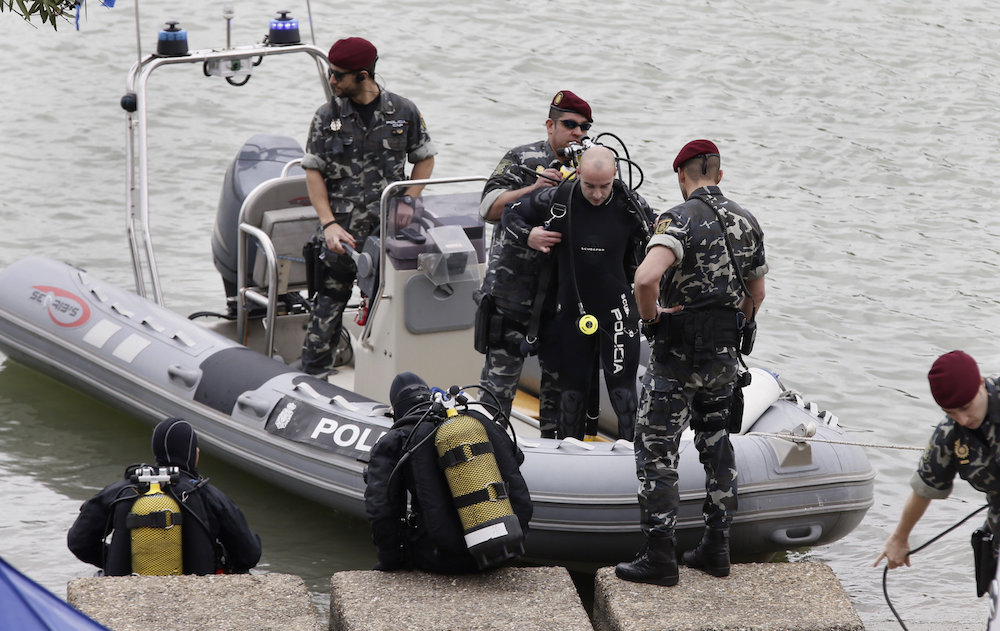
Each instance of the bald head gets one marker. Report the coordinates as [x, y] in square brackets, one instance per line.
[596, 159]
[597, 174]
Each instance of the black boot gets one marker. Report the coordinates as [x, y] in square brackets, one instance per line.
[656, 563]
[712, 554]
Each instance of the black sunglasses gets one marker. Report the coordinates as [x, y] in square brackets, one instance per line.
[569, 123]
[339, 76]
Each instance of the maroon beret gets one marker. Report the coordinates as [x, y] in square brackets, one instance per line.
[954, 380]
[352, 53]
[694, 149]
[566, 101]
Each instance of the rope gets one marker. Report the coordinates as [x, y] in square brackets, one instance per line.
[796, 398]
[793, 438]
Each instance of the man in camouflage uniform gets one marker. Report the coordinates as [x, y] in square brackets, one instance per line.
[358, 144]
[693, 323]
[515, 177]
[966, 443]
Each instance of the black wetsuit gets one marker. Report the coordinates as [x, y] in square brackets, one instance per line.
[600, 249]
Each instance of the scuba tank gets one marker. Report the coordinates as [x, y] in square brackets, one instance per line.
[154, 524]
[492, 531]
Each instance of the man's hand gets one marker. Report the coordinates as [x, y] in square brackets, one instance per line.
[896, 553]
[334, 234]
[542, 240]
[553, 179]
[404, 214]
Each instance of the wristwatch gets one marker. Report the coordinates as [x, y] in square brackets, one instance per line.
[407, 199]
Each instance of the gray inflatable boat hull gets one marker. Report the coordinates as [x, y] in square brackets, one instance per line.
[313, 438]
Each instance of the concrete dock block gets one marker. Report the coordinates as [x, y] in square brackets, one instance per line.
[755, 596]
[247, 602]
[514, 598]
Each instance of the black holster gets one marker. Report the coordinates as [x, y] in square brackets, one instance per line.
[484, 313]
[748, 335]
[489, 331]
[736, 405]
[985, 555]
[310, 252]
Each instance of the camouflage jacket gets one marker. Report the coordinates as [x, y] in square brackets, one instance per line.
[703, 276]
[358, 163]
[970, 454]
[505, 178]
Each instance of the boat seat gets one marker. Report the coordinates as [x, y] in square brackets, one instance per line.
[276, 220]
[280, 209]
[288, 229]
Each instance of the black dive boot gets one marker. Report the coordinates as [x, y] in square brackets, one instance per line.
[656, 563]
[712, 554]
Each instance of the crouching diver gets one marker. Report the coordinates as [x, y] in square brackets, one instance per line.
[426, 500]
[165, 519]
[604, 227]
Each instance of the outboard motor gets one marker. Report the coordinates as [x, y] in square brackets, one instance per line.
[261, 158]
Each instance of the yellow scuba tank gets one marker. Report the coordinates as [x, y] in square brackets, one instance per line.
[492, 531]
[154, 523]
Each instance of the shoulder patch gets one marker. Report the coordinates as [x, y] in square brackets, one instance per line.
[503, 167]
[662, 225]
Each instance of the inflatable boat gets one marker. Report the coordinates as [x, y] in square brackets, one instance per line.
[232, 374]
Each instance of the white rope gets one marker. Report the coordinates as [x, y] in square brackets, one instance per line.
[793, 438]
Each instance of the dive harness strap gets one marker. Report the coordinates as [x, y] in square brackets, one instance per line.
[464, 453]
[159, 519]
[483, 495]
[709, 199]
[558, 211]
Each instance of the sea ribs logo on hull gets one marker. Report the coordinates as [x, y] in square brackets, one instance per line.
[65, 308]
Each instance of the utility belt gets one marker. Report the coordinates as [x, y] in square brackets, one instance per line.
[700, 333]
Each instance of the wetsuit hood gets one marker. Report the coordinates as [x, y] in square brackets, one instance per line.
[175, 444]
[407, 392]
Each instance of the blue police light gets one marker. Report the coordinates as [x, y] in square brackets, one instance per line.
[172, 41]
[284, 30]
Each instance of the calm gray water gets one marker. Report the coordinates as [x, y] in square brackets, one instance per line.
[862, 135]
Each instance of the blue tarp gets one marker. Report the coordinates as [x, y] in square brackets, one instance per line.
[27, 606]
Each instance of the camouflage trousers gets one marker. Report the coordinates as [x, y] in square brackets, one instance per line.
[502, 372]
[674, 396]
[327, 321]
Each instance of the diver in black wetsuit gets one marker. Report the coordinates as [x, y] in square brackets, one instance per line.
[597, 247]
[413, 517]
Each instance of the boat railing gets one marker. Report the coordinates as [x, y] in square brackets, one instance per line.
[269, 195]
[144, 265]
[270, 285]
